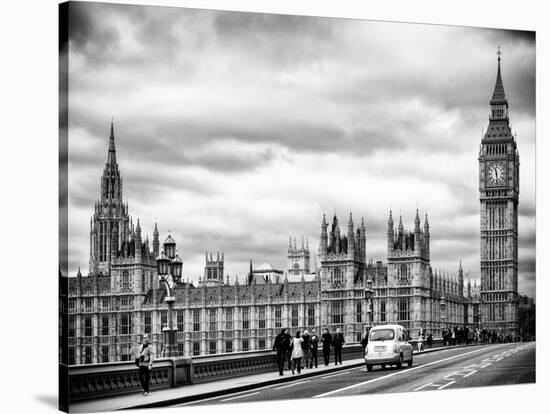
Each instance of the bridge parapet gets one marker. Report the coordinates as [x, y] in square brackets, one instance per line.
[116, 378]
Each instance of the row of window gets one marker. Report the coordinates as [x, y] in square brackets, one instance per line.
[126, 320]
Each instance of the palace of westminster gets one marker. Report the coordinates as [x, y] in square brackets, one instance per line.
[121, 298]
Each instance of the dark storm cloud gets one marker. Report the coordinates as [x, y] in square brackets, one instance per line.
[237, 130]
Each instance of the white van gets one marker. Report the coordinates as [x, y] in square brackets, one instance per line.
[388, 345]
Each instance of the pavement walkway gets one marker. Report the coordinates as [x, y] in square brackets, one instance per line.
[193, 392]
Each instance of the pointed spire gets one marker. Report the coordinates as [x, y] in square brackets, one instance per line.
[307, 244]
[498, 93]
[138, 229]
[289, 243]
[390, 220]
[324, 223]
[426, 224]
[111, 157]
[250, 274]
[417, 222]
[400, 227]
[460, 266]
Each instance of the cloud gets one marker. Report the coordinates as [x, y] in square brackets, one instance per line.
[238, 130]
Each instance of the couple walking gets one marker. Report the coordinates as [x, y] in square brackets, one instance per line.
[335, 342]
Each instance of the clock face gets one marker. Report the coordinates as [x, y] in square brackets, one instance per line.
[495, 174]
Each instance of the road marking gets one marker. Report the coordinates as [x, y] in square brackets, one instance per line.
[292, 385]
[397, 373]
[332, 375]
[470, 373]
[422, 386]
[446, 385]
[240, 396]
[485, 365]
[450, 375]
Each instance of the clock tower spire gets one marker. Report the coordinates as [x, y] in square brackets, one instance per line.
[499, 198]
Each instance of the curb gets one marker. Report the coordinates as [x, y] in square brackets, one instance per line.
[279, 380]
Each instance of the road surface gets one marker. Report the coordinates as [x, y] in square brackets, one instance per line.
[477, 366]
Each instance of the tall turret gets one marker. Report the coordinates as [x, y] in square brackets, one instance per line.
[460, 279]
[390, 234]
[417, 244]
[156, 244]
[110, 219]
[323, 245]
[426, 237]
[351, 239]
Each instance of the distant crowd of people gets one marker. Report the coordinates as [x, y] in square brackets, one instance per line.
[291, 350]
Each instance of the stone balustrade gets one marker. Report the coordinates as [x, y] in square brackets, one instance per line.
[100, 380]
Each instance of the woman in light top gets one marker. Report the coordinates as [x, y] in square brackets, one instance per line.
[297, 353]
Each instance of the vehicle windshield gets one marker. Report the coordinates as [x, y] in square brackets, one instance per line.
[382, 335]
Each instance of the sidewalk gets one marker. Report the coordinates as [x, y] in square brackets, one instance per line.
[188, 393]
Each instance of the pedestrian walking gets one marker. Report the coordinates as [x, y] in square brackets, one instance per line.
[282, 346]
[306, 347]
[420, 343]
[145, 362]
[326, 340]
[297, 353]
[338, 342]
[429, 340]
[365, 339]
[289, 351]
[314, 347]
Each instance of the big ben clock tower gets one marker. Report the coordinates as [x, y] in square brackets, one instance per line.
[499, 196]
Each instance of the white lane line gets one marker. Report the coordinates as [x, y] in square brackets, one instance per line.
[422, 386]
[292, 385]
[240, 396]
[470, 373]
[333, 375]
[446, 385]
[485, 365]
[450, 375]
[397, 373]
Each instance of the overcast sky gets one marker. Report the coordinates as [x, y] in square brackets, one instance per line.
[238, 130]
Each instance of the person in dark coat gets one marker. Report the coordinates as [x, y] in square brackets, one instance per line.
[326, 340]
[338, 342]
[430, 340]
[365, 339]
[314, 347]
[306, 347]
[282, 346]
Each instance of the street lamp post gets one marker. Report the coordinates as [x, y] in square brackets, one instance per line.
[443, 306]
[169, 269]
[368, 297]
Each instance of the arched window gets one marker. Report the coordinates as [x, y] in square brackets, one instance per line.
[337, 275]
[125, 280]
[403, 272]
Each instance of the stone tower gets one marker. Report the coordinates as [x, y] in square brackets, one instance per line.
[298, 258]
[499, 197]
[409, 253]
[342, 278]
[109, 225]
[213, 269]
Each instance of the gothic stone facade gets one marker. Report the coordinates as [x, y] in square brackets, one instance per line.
[499, 197]
[120, 299]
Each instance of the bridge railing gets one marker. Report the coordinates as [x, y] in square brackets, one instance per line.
[116, 378]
